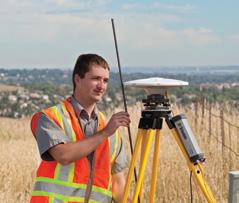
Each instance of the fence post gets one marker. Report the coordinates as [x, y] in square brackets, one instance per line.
[230, 144]
[210, 121]
[222, 131]
[202, 118]
[196, 116]
[237, 133]
[233, 195]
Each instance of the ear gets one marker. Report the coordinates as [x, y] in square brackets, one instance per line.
[77, 78]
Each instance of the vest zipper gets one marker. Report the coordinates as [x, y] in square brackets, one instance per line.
[90, 181]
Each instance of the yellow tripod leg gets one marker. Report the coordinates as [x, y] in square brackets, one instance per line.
[143, 144]
[155, 167]
[132, 164]
[196, 169]
[144, 161]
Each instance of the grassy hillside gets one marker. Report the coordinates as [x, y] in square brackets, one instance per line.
[7, 88]
[19, 155]
[217, 138]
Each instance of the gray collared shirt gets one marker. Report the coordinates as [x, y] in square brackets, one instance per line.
[88, 123]
[49, 134]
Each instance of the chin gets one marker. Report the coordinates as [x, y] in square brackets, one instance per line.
[96, 99]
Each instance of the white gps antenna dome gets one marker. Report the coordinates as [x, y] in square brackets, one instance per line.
[155, 85]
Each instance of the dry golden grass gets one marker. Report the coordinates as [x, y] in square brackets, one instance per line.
[19, 155]
[8, 88]
[173, 175]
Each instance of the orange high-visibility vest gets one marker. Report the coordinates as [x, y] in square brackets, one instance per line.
[68, 184]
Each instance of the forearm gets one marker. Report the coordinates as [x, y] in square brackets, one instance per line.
[70, 152]
[67, 153]
[119, 183]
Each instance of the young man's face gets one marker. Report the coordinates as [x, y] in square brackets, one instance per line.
[93, 86]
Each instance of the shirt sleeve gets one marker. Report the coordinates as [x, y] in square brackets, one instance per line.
[48, 134]
[120, 161]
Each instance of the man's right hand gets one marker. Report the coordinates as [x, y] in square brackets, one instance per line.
[117, 120]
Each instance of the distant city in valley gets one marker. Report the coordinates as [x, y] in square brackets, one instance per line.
[25, 91]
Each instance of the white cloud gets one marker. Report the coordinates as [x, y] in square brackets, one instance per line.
[150, 32]
[174, 7]
[82, 4]
[199, 37]
[47, 6]
[234, 38]
[146, 33]
[132, 6]
[58, 29]
[156, 6]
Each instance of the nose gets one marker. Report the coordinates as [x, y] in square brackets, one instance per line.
[101, 84]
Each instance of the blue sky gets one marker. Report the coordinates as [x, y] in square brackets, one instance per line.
[52, 33]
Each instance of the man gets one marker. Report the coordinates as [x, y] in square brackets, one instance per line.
[83, 158]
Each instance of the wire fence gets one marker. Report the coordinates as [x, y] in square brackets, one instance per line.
[228, 130]
[221, 137]
[211, 118]
[217, 129]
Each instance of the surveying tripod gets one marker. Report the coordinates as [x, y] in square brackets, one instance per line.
[157, 108]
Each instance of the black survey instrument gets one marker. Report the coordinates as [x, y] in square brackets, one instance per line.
[157, 108]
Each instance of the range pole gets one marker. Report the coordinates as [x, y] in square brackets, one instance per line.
[122, 87]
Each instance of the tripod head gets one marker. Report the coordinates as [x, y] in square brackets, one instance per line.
[157, 90]
[156, 101]
[156, 85]
[157, 106]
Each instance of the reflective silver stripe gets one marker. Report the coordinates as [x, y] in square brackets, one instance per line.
[66, 191]
[66, 126]
[100, 198]
[59, 189]
[112, 140]
[57, 201]
[65, 171]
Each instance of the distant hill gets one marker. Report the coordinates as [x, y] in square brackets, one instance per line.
[194, 75]
[181, 69]
[25, 91]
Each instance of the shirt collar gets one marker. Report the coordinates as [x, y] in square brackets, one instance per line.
[81, 112]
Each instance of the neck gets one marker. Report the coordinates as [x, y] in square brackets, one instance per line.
[87, 105]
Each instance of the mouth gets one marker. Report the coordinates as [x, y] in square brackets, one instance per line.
[98, 92]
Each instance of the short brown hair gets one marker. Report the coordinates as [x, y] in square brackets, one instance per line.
[84, 62]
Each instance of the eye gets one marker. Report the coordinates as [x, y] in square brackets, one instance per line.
[96, 78]
[106, 81]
